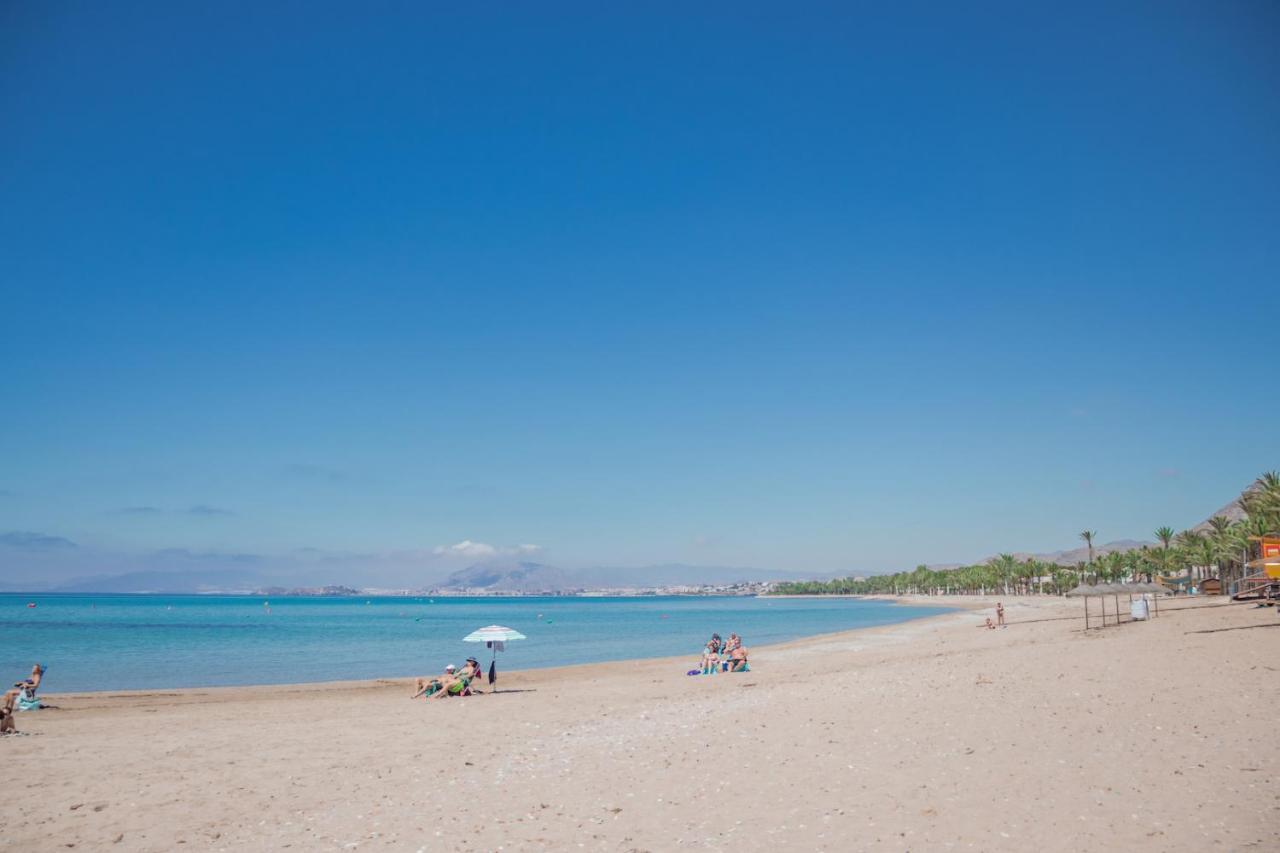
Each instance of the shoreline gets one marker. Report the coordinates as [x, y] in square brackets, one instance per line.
[950, 605]
[233, 692]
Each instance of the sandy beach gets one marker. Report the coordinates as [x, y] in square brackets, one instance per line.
[928, 735]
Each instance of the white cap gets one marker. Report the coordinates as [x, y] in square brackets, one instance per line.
[450, 666]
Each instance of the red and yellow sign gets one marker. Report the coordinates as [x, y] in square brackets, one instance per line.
[1270, 553]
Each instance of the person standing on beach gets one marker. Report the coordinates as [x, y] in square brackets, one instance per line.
[1000, 614]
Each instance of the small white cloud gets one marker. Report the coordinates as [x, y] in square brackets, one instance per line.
[467, 548]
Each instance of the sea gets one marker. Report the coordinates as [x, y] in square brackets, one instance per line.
[118, 642]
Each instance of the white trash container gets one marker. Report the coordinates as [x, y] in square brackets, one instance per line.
[1138, 609]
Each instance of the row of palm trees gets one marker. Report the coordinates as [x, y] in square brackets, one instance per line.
[1220, 550]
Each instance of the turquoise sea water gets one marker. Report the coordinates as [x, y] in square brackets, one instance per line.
[114, 642]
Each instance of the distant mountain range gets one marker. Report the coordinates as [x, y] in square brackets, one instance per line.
[500, 575]
[1072, 556]
[186, 582]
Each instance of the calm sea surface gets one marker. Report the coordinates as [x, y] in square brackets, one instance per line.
[114, 642]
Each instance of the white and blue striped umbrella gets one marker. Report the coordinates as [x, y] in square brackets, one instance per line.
[493, 634]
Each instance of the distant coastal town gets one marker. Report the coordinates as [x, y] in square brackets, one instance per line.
[339, 591]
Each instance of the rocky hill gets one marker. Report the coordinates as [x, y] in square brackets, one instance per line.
[497, 576]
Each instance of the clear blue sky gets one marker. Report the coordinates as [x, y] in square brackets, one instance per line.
[823, 287]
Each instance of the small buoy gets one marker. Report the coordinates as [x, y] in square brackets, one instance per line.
[31, 604]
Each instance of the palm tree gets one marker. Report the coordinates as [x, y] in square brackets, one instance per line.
[1087, 536]
[1165, 535]
[1189, 545]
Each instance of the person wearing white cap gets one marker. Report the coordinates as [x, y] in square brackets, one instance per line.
[432, 685]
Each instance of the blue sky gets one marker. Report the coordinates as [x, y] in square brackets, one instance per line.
[831, 287]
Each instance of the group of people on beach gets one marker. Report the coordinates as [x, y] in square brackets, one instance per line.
[22, 697]
[452, 682]
[724, 655]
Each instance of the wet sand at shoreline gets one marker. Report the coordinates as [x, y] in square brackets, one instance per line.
[930, 734]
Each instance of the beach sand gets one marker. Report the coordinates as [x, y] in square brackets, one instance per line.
[927, 735]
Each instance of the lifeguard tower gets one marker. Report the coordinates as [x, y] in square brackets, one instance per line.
[1263, 574]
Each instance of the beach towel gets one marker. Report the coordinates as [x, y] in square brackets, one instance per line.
[27, 702]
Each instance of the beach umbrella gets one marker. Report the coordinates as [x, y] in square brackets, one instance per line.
[494, 637]
[1110, 589]
[1155, 590]
[1083, 590]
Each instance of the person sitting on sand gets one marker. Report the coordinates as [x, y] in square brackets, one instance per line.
[989, 624]
[710, 662]
[738, 658]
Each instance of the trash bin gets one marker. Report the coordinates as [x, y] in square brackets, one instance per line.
[1138, 609]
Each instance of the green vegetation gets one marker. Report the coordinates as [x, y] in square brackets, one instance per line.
[1220, 551]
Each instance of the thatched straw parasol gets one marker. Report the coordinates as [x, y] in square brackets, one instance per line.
[1083, 590]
